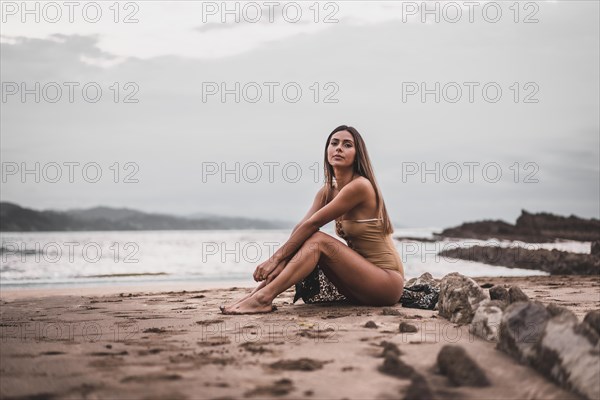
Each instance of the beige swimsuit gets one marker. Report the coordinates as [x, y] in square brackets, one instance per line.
[366, 237]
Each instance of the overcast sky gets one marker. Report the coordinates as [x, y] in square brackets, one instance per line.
[515, 98]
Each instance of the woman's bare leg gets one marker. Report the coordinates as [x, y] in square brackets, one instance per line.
[356, 276]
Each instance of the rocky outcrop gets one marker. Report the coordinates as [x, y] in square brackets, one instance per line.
[569, 353]
[532, 228]
[459, 297]
[595, 248]
[553, 261]
[521, 327]
[551, 340]
[486, 321]
[559, 227]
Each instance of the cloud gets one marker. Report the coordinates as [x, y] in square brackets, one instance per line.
[171, 133]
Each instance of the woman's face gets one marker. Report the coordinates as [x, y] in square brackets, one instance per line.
[341, 150]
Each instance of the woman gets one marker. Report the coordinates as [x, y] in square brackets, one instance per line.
[369, 270]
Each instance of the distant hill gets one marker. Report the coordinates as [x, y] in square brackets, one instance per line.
[15, 218]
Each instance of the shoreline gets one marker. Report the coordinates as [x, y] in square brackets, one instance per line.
[112, 289]
[105, 289]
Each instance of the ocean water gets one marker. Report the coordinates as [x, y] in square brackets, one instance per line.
[58, 259]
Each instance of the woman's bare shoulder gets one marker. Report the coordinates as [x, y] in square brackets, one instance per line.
[364, 183]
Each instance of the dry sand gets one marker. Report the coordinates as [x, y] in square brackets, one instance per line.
[157, 343]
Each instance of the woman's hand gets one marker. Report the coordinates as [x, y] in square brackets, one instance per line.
[276, 271]
[264, 269]
[268, 270]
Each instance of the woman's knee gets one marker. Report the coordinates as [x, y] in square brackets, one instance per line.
[318, 240]
[318, 236]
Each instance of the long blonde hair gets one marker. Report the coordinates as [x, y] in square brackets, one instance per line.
[362, 166]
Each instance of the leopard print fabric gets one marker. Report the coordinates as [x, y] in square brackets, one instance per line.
[317, 288]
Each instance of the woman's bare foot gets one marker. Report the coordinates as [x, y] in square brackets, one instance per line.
[254, 304]
[256, 289]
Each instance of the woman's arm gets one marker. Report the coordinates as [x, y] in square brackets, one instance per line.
[351, 195]
[318, 203]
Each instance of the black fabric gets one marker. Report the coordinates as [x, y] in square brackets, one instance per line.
[424, 296]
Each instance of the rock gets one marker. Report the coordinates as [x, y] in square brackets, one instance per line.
[568, 352]
[555, 309]
[390, 311]
[486, 321]
[393, 365]
[521, 327]
[516, 294]
[459, 297]
[595, 248]
[405, 327]
[418, 389]
[554, 342]
[370, 324]
[461, 370]
[389, 347]
[559, 227]
[425, 279]
[553, 261]
[531, 228]
[498, 292]
[592, 318]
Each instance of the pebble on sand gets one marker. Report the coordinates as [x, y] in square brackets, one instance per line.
[460, 368]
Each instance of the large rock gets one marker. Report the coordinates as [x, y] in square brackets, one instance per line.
[461, 370]
[521, 327]
[592, 318]
[554, 342]
[532, 228]
[486, 321]
[569, 353]
[556, 226]
[459, 297]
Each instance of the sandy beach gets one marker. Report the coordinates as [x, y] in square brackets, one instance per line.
[161, 343]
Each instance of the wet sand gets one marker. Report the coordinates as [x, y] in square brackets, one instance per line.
[157, 342]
